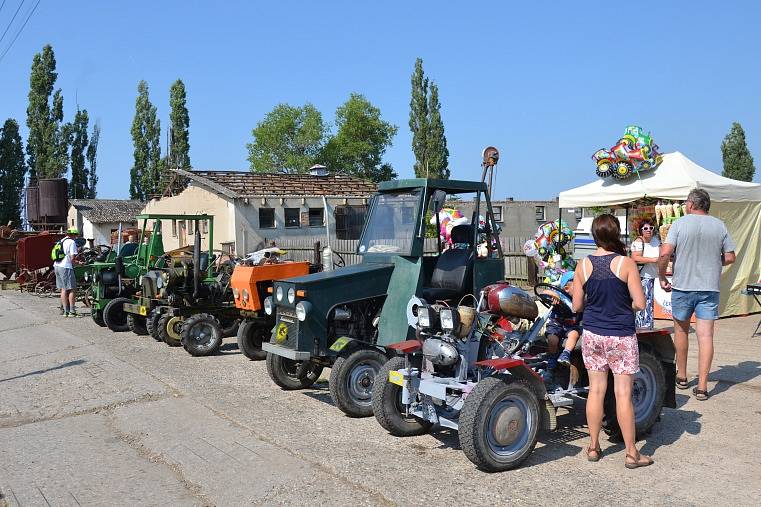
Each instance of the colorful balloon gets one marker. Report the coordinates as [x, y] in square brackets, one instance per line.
[635, 152]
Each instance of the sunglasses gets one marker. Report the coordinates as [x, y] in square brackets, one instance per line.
[647, 227]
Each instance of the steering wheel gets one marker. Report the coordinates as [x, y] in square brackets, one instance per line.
[341, 262]
[547, 299]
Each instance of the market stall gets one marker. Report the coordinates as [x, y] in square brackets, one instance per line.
[737, 203]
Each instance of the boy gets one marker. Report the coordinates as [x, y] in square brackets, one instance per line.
[563, 323]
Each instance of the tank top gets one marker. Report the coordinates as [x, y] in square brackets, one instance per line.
[608, 304]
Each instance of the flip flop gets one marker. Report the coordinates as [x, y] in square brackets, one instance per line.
[700, 395]
[638, 461]
[598, 451]
[682, 383]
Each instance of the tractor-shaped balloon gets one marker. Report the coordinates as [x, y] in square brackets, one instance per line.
[548, 250]
[634, 152]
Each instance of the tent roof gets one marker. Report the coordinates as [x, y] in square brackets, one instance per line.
[672, 179]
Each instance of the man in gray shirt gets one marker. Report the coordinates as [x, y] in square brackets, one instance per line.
[701, 245]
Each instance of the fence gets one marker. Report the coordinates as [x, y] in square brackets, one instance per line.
[518, 268]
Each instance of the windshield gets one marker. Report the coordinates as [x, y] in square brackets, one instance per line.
[392, 224]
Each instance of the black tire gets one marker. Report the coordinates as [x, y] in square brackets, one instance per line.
[114, 315]
[201, 335]
[231, 329]
[97, 317]
[291, 375]
[492, 448]
[171, 338]
[137, 324]
[251, 334]
[388, 408]
[152, 324]
[351, 381]
[647, 396]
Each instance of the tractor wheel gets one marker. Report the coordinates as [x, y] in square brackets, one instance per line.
[603, 169]
[499, 424]
[230, 328]
[623, 170]
[351, 381]
[388, 408]
[201, 335]
[152, 324]
[291, 375]
[169, 328]
[647, 397]
[114, 315]
[251, 334]
[97, 317]
[137, 324]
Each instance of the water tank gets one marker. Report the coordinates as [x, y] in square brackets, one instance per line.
[54, 200]
[33, 203]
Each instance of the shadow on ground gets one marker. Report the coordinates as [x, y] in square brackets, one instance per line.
[76, 362]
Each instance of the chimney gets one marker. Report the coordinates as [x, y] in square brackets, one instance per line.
[318, 170]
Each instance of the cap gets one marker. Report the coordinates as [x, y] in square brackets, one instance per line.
[567, 277]
[72, 230]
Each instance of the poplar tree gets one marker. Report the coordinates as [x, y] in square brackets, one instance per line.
[78, 184]
[92, 162]
[145, 175]
[437, 152]
[738, 162]
[12, 172]
[179, 139]
[419, 118]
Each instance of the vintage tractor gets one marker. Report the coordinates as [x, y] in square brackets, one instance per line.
[346, 318]
[481, 371]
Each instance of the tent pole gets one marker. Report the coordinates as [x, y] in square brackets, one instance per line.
[626, 227]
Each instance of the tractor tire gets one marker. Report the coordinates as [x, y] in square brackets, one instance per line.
[499, 423]
[603, 170]
[137, 324]
[647, 397]
[351, 381]
[388, 408]
[251, 334]
[97, 317]
[291, 375]
[201, 335]
[152, 324]
[114, 315]
[231, 328]
[169, 329]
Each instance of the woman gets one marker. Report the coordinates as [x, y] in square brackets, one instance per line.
[645, 251]
[609, 291]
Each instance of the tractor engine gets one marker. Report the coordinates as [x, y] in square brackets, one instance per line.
[358, 319]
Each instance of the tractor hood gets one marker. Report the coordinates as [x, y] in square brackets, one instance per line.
[355, 273]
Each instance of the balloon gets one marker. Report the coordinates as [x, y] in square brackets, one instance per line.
[634, 152]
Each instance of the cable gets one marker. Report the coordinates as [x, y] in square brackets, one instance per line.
[12, 19]
[20, 30]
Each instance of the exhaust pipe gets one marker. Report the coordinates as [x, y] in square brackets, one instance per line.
[197, 264]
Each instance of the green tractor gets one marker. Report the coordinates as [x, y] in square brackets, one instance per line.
[345, 319]
[185, 299]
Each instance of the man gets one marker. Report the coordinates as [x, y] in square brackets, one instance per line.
[701, 246]
[64, 273]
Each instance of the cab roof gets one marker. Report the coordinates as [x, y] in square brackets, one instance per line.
[449, 186]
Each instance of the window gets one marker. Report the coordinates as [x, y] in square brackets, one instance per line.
[391, 226]
[190, 226]
[266, 218]
[349, 220]
[174, 228]
[497, 210]
[540, 213]
[204, 226]
[316, 217]
[292, 217]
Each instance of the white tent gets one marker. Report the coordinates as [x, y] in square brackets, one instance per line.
[737, 203]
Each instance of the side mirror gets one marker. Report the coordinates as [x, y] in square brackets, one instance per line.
[438, 199]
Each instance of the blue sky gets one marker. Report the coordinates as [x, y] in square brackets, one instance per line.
[546, 82]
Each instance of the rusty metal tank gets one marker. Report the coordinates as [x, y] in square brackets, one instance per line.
[33, 203]
[510, 300]
[54, 200]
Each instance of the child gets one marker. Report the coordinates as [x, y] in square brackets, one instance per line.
[563, 323]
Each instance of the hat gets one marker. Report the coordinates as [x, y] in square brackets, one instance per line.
[72, 230]
[567, 277]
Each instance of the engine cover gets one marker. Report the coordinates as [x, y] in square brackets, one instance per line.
[511, 301]
[440, 352]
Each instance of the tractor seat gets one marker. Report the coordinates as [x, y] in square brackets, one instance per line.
[453, 275]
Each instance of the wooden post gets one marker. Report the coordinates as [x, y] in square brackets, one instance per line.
[531, 271]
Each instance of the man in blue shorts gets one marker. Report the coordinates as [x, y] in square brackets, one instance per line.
[64, 273]
[701, 246]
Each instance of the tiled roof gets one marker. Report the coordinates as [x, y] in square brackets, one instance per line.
[99, 211]
[236, 184]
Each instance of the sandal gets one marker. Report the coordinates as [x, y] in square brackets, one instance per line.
[598, 453]
[640, 461]
[682, 383]
[700, 395]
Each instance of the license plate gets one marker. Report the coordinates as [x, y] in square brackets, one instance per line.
[396, 378]
[143, 311]
[282, 332]
[340, 344]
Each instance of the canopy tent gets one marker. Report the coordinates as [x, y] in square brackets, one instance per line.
[737, 203]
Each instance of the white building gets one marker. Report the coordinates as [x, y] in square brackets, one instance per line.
[98, 219]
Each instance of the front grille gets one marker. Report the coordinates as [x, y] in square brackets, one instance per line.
[291, 339]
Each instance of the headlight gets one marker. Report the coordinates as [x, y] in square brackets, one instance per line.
[291, 295]
[450, 319]
[87, 276]
[246, 295]
[302, 309]
[268, 305]
[159, 282]
[236, 292]
[426, 316]
[279, 293]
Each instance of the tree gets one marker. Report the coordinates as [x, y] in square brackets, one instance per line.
[92, 162]
[437, 152]
[179, 143]
[12, 172]
[288, 140]
[738, 162]
[146, 172]
[360, 142]
[47, 145]
[419, 118]
[78, 184]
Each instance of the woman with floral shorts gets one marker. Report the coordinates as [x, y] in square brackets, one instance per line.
[609, 294]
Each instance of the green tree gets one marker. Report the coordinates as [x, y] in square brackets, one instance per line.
[92, 162]
[360, 141]
[419, 118]
[179, 140]
[12, 172]
[288, 140]
[146, 172]
[437, 152]
[46, 146]
[738, 162]
[78, 184]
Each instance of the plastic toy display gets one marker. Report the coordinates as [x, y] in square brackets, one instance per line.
[548, 250]
[634, 152]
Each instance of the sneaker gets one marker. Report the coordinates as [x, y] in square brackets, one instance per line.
[565, 358]
[73, 314]
[65, 314]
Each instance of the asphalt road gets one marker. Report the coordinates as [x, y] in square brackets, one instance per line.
[90, 417]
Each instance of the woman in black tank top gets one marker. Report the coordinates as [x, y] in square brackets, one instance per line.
[609, 293]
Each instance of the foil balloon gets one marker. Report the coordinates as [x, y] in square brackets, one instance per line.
[549, 252]
[635, 152]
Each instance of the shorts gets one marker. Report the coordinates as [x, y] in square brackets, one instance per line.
[560, 330]
[617, 353]
[65, 279]
[703, 303]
